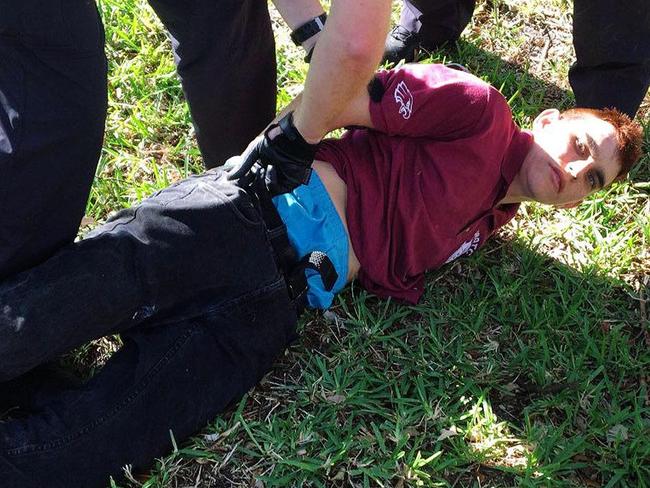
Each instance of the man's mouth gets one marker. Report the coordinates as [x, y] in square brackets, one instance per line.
[556, 176]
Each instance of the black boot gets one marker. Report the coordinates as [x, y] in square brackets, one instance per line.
[401, 44]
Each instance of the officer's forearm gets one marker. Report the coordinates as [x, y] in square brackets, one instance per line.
[345, 58]
[297, 12]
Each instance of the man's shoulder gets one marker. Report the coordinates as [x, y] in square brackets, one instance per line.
[464, 86]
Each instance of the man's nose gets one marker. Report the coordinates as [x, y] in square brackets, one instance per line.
[574, 168]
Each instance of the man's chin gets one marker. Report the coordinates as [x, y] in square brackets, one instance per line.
[545, 193]
[544, 197]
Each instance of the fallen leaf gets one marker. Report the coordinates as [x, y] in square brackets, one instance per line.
[447, 433]
[87, 222]
[512, 387]
[340, 476]
[211, 437]
[618, 433]
[332, 317]
[336, 399]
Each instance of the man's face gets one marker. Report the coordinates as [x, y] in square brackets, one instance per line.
[570, 159]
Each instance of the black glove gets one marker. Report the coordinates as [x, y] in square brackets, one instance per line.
[285, 162]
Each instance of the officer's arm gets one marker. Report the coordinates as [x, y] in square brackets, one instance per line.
[356, 112]
[345, 58]
[298, 12]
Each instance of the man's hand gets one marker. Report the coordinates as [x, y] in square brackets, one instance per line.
[281, 156]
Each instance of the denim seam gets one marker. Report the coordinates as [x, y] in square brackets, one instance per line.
[174, 200]
[136, 210]
[70, 52]
[277, 284]
[144, 383]
[111, 225]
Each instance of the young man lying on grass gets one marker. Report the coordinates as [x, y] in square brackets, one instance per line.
[191, 282]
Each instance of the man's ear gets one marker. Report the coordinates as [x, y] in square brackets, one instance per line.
[569, 205]
[546, 117]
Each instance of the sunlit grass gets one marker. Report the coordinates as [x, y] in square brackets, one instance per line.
[524, 365]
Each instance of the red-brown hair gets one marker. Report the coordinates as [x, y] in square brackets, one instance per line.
[629, 134]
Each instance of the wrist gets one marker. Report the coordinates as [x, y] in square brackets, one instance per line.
[308, 134]
[291, 130]
[307, 31]
[309, 44]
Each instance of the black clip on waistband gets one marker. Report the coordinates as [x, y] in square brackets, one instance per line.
[288, 262]
[297, 281]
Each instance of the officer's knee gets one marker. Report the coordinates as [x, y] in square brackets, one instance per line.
[13, 351]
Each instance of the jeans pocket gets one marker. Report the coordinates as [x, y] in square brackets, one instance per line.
[217, 183]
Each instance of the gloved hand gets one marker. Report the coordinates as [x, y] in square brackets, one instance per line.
[285, 160]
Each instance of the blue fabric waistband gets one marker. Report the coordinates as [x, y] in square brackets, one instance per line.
[314, 225]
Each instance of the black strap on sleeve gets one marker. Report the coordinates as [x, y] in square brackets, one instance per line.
[376, 90]
[308, 29]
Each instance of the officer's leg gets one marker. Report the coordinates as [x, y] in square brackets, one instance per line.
[612, 43]
[52, 112]
[225, 55]
[428, 24]
[440, 21]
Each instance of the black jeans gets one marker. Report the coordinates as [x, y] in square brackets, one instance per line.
[189, 280]
[611, 39]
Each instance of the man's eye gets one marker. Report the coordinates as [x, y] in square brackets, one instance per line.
[593, 183]
[580, 147]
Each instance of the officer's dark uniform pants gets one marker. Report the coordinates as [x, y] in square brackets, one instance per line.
[611, 39]
[53, 104]
[225, 55]
[52, 112]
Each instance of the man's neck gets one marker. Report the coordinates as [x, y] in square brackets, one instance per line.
[517, 191]
[514, 193]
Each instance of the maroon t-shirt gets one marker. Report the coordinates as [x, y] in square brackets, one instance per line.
[423, 187]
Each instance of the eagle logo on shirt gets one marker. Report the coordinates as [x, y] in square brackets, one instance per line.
[404, 97]
[467, 247]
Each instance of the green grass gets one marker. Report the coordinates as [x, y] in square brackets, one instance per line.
[526, 364]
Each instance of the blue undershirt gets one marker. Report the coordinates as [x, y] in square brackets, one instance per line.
[314, 225]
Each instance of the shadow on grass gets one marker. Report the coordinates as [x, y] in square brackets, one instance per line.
[559, 355]
[527, 94]
[515, 369]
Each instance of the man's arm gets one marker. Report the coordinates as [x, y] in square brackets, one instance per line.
[345, 58]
